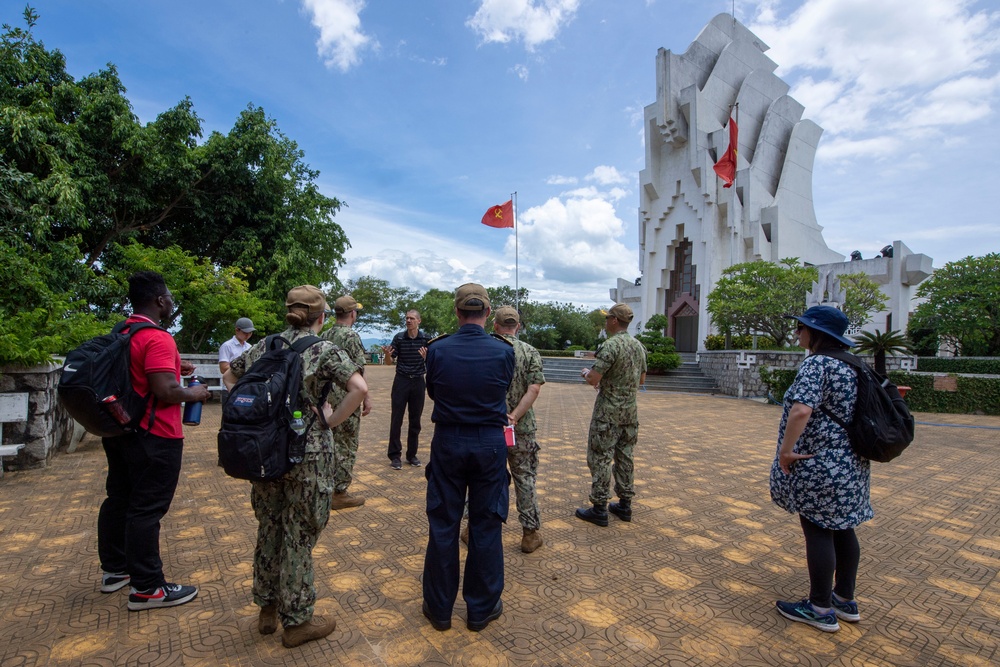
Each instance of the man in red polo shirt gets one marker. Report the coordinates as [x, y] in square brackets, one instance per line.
[143, 468]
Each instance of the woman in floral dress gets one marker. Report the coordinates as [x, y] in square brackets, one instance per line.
[818, 476]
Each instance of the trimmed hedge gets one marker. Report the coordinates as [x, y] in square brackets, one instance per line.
[975, 395]
[557, 353]
[778, 380]
[978, 365]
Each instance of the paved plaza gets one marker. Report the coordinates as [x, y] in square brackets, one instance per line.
[691, 581]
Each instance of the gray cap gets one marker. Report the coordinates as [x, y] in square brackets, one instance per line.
[244, 324]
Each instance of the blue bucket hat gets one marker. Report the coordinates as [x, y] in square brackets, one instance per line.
[827, 319]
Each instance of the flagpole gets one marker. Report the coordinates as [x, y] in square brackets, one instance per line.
[517, 296]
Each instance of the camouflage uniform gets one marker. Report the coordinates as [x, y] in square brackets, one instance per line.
[522, 458]
[614, 426]
[292, 511]
[345, 436]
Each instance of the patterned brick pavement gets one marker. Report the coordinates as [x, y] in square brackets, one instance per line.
[691, 581]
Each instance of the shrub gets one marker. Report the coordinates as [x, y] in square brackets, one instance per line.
[778, 380]
[980, 365]
[718, 342]
[974, 395]
[661, 353]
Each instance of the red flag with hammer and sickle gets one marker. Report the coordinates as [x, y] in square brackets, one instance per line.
[500, 216]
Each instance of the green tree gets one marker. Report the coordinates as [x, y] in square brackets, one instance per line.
[756, 296]
[880, 344]
[661, 352]
[963, 304]
[81, 178]
[505, 295]
[384, 305]
[555, 326]
[862, 298]
[437, 312]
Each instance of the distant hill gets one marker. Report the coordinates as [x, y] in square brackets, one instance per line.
[368, 342]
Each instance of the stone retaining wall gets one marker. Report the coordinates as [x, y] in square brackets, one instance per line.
[49, 426]
[737, 372]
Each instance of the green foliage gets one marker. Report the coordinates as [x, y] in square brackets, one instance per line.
[974, 395]
[437, 310]
[755, 296]
[920, 329]
[880, 344]
[661, 353]
[778, 380]
[990, 366]
[962, 306]
[745, 342]
[862, 298]
[208, 299]
[81, 179]
[557, 353]
[505, 295]
[575, 348]
[384, 306]
[554, 326]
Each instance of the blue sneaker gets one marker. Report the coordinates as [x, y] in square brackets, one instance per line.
[804, 612]
[846, 610]
[167, 595]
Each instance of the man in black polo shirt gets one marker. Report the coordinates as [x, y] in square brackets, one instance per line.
[408, 348]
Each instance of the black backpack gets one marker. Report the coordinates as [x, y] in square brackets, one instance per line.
[882, 426]
[256, 441]
[96, 384]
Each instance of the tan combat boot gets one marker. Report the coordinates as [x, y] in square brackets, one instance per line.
[315, 628]
[267, 621]
[342, 500]
[531, 541]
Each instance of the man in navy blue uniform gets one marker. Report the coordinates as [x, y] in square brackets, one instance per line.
[468, 373]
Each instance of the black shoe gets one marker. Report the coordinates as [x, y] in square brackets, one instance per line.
[440, 626]
[597, 515]
[396, 465]
[622, 510]
[415, 462]
[481, 625]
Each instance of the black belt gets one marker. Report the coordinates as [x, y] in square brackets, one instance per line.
[408, 375]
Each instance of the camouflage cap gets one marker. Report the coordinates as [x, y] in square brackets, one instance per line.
[467, 294]
[346, 304]
[620, 312]
[308, 296]
[506, 316]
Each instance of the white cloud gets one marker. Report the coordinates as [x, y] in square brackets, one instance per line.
[605, 175]
[575, 240]
[871, 72]
[340, 37]
[521, 71]
[533, 22]
[555, 179]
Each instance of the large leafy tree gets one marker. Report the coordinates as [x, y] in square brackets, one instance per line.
[437, 312]
[863, 298]
[962, 305]
[756, 296]
[383, 305]
[81, 177]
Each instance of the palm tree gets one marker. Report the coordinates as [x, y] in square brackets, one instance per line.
[880, 344]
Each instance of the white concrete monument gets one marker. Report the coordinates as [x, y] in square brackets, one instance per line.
[691, 228]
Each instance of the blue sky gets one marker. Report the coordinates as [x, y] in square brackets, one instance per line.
[422, 114]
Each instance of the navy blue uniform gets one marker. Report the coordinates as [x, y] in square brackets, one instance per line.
[468, 374]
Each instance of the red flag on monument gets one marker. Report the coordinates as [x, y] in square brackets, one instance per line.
[500, 216]
[726, 166]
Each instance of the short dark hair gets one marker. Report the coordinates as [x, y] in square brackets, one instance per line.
[819, 340]
[144, 287]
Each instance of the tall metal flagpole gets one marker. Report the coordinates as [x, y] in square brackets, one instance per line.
[517, 295]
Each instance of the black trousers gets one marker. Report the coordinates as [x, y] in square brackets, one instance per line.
[830, 554]
[407, 394]
[143, 470]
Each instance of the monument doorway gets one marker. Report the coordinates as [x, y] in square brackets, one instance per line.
[685, 326]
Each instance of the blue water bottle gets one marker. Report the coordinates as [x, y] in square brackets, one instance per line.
[192, 409]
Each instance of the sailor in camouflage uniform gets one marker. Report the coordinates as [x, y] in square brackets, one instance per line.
[346, 436]
[522, 458]
[292, 510]
[617, 373]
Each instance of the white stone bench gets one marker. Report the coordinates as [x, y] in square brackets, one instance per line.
[211, 375]
[13, 408]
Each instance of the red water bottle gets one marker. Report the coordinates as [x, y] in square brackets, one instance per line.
[192, 409]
